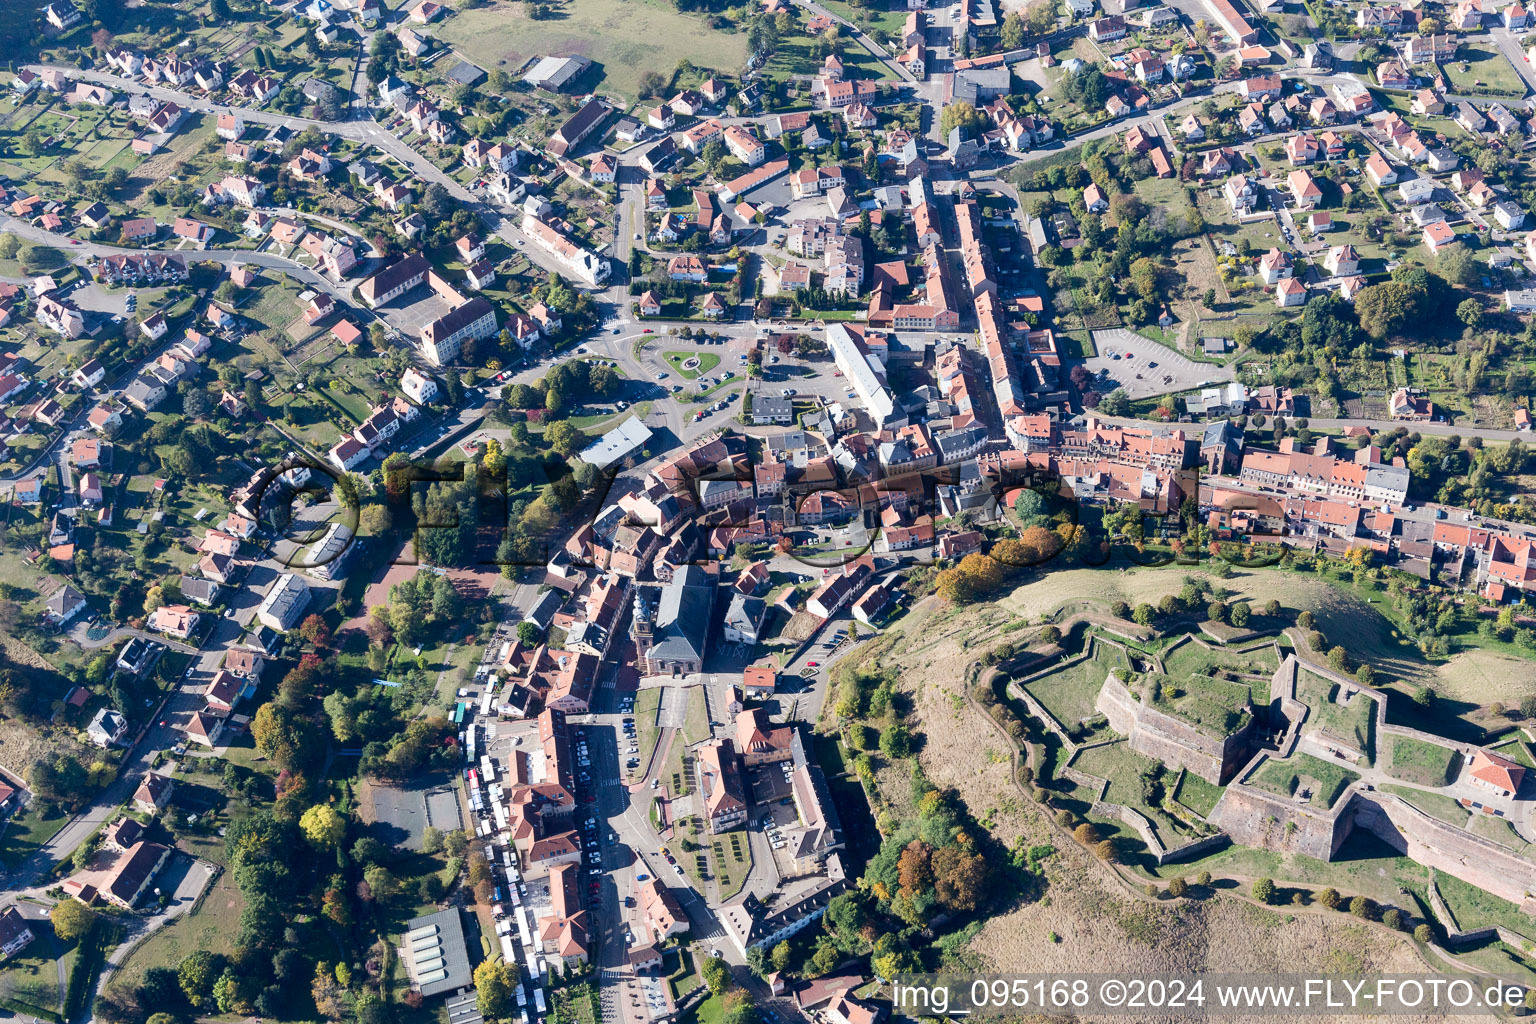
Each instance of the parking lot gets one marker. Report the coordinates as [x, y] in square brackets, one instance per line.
[1145, 368]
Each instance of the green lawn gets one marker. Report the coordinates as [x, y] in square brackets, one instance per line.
[1197, 794]
[26, 831]
[625, 38]
[1325, 780]
[1191, 658]
[1426, 764]
[707, 361]
[1351, 724]
[793, 56]
[32, 976]
[1069, 693]
[1491, 826]
[1475, 908]
[1124, 769]
[1436, 805]
[1483, 71]
[646, 703]
[1215, 706]
[214, 927]
[1515, 750]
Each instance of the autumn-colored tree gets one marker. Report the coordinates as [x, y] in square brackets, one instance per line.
[960, 877]
[914, 868]
[323, 826]
[1086, 834]
[71, 920]
[335, 906]
[314, 630]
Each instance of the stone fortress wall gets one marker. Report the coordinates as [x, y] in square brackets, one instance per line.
[1171, 740]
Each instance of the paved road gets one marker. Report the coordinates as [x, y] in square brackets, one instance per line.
[76, 248]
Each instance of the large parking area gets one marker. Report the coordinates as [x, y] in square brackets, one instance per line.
[1145, 368]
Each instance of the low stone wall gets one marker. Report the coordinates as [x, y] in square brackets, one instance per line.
[1454, 936]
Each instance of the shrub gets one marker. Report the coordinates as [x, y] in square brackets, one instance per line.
[1263, 890]
[1299, 898]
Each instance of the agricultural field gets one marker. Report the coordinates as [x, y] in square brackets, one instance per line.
[503, 36]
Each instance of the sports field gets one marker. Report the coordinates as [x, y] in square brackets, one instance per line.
[625, 37]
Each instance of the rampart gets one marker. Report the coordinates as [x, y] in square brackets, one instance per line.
[1171, 740]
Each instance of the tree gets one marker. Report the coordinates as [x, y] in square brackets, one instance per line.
[1014, 31]
[717, 975]
[314, 629]
[1177, 887]
[431, 839]
[1086, 834]
[1361, 907]
[565, 437]
[1116, 403]
[1470, 312]
[71, 920]
[896, 742]
[1393, 919]
[962, 115]
[782, 954]
[1424, 933]
[323, 826]
[1107, 852]
[1264, 890]
[197, 973]
[493, 989]
[528, 634]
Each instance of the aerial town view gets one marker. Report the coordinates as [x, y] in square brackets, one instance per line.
[702, 511]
